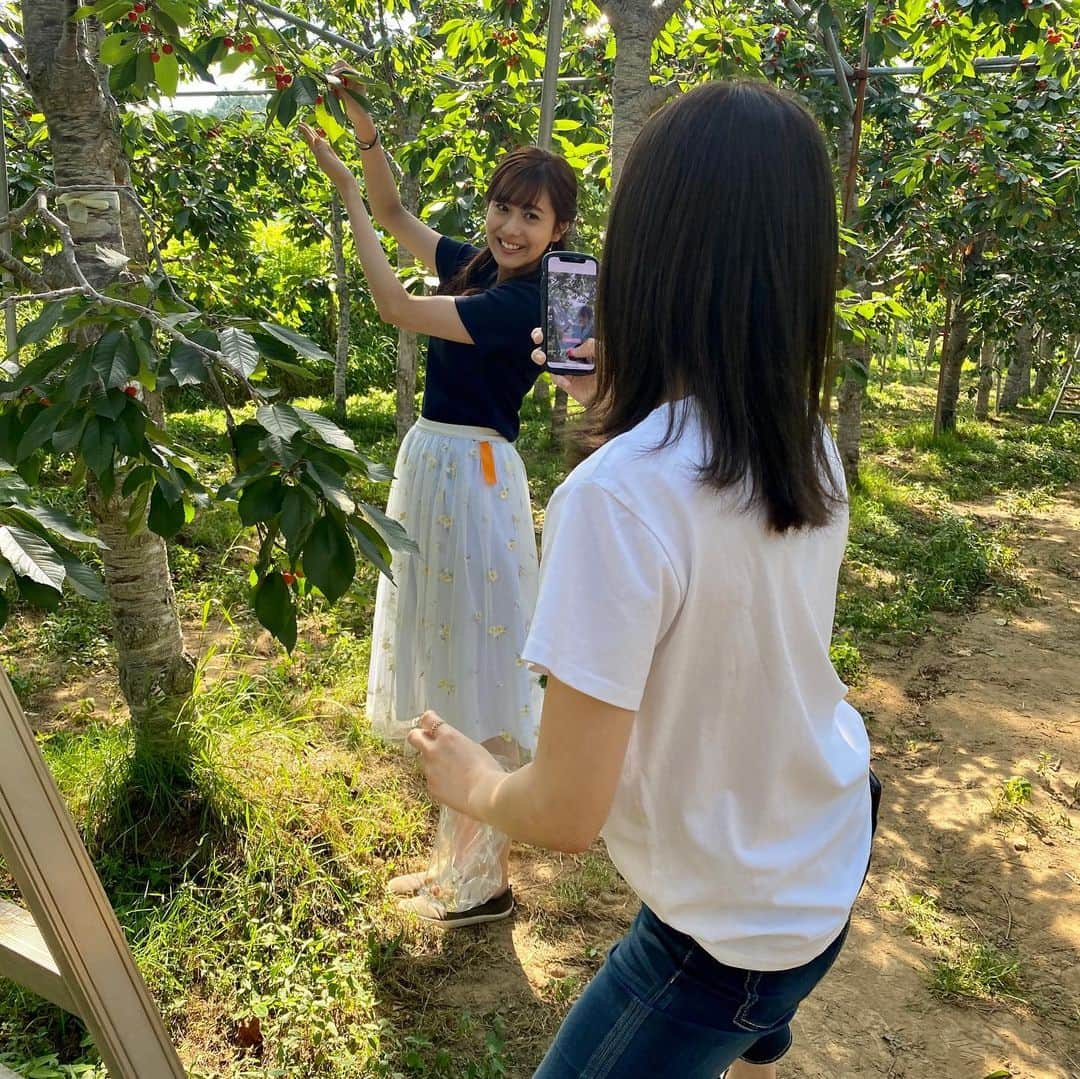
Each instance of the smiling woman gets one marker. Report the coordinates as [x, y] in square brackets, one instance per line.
[449, 629]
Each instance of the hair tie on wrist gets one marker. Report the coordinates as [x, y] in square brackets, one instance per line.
[368, 145]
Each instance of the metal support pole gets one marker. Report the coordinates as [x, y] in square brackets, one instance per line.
[552, 54]
[11, 326]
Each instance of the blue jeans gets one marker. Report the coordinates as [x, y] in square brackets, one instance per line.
[663, 1008]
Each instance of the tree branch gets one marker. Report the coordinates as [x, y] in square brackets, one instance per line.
[20, 214]
[14, 65]
[67, 242]
[827, 38]
[17, 268]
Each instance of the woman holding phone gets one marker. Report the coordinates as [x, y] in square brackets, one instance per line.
[448, 632]
[686, 602]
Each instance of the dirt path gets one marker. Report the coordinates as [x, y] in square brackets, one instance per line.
[990, 697]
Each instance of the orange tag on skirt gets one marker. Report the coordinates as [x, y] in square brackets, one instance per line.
[487, 463]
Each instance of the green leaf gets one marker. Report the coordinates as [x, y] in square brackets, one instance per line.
[62, 525]
[297, 341]
[40, 430]
[39, 595]
[114, 358]
[116, 48]
[136, 518]
[167, 74]
[307, 90]
[32, 557]
[372, 546]
[392, 531]
[69, 434]
[274, 608]
[84, 580]
[4, 608]
[123, 75]
[110, 404]
[286, 106]
[279, 420]
[39, 369]
[166, 517]
[177, 10]
[326, 429]
[329, 561]
[261, 500]
[330, 484]
[240, 352]
[297, 517]
[42, 326]
[187, 365]
[98, 446]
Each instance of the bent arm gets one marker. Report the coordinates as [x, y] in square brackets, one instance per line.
[560, 800]
[382, 192]
[436, 316]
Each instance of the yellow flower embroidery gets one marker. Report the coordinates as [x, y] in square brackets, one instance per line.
[444, 631]
[477, 616]
[493, 575]
[504, 493]
[447, 685]
[446, 576]
[451, 469]
[519, 661]
[511, 544]
[496, 631]
[446, 521]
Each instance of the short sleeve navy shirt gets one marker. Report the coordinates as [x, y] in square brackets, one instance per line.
[483, 384]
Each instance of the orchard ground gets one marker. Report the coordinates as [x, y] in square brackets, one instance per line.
[254, 903]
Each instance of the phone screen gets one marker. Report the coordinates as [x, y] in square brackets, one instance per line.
[571, 310]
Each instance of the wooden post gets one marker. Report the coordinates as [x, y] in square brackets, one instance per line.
[89, 956]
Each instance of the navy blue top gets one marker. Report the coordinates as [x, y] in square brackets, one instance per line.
[483, 384]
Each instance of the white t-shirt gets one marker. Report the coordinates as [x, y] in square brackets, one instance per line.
[742, 816]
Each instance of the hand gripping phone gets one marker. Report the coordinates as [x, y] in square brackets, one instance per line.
[568, 281]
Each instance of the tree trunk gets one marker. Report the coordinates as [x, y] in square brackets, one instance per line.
[1044, 369]
[849, 398]
[986, 378]
[1019, 367]
[156, 676]
[408, 343]
[931, 345]
[635, 24]
[952, 362]
[343, 305]
[855, 366]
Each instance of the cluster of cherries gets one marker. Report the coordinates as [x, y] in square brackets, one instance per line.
[136, 15]
[245, 45]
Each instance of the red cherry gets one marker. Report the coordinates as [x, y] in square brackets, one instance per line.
[288, 578]
[319, 99]
[138, 8]
[155, 57]
[131, 391]
[287, 79]
[145, 28]
[280, 69]
[167, 49]
[45, 401]
[133, 16]
[227, 42]
[320, 132]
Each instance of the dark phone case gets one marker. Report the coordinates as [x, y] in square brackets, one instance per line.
[568, 256]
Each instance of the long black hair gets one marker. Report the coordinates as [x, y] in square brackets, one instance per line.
[718, 282]
[520, 178]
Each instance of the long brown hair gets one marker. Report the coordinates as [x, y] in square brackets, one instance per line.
[519, 179]
[718, 282]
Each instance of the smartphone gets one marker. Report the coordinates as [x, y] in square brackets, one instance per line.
[568, 282]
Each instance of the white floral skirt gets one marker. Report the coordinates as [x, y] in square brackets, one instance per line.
[450, 629]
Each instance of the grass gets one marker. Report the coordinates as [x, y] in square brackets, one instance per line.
[253, 901]
[961, 970]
